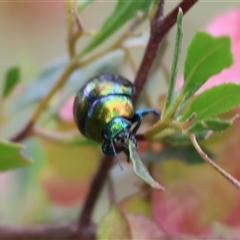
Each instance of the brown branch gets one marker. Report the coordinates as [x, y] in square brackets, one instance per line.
[207, 159]
[95, 189]
[159, 28]
[85, 228]
[26, 131]
[60, 231]
[56, 231]
[140, 137]
[53, 232]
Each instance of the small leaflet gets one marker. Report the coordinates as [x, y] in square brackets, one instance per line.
[139, 168]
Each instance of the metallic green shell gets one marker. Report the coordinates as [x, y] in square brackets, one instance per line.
[106, 84]
[103, 111]
[80, 110]
[92, 110]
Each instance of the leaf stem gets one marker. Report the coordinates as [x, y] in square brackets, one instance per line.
[117, 44]
[74, 63]
[205, 157]
[159, 28]
[43, 103]
[59, 83]
[73, 22]
[144, 69]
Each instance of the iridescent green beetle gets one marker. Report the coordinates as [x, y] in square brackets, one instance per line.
[104, 112]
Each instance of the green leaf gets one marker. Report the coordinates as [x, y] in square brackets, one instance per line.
[40, 86]
[173, 75]
[187, 154]
[114, 225]
[206, 56]
[213, 124]
[124, 11]
[11, 79]
[81, 4]
[11, 156]
[214, 101]
[139, 168]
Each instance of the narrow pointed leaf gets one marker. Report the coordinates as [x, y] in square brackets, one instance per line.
[114, 225]
[139, 168]
[177, 50]
[40, 86]
[11, 156]
[206, 56]
[124, 11]
[214, 101]
[11, 79]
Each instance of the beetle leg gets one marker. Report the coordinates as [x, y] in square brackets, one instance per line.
[144, 112]
[137, 117]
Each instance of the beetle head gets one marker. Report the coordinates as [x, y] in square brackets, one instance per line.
[117, 133]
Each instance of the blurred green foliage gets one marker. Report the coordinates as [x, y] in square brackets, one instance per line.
[54, 186]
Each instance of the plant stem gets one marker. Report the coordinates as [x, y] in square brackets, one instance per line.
[166, 121]
[58, 231]
[154, 41]
[118, 43]
[42, 105]
[95, 189]
[85, 229]
[205, 157]
[159, 28]
[74, 63]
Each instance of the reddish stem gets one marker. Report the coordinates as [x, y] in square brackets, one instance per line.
[85, 228]
[95, 189]
[159, 28]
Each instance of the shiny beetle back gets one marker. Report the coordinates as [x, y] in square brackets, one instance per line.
[100, 100]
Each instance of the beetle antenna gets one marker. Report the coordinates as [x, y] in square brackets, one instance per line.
[118, 160]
